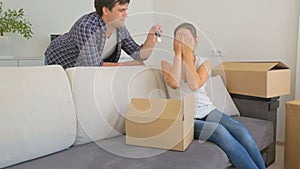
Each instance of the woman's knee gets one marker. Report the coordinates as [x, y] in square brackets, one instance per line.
[223, 138]
[211, 131]
[214, 132]
[221, 131]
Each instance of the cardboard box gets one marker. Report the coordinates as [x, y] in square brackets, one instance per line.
[292, 137]
[260, 79]
[161, 123]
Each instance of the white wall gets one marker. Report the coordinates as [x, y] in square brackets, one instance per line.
[245, 30]
[55, 16]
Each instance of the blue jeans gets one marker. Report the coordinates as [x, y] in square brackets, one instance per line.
[232, 137]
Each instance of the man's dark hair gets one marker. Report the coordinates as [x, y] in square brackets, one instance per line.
[99, 4]
[188, 26]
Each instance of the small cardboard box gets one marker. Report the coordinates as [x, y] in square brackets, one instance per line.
[260, 79]
[161, 123]
[292, 137]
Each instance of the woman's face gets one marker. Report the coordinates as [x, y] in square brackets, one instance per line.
[185, 37]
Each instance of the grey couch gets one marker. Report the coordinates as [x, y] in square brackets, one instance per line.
[55, 111]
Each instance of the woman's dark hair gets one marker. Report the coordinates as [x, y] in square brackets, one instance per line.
[99, 4]
[188, 26]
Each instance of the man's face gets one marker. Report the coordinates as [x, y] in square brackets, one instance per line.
[116, 17]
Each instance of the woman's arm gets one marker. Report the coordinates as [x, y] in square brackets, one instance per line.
[195, 78]
[172, 73]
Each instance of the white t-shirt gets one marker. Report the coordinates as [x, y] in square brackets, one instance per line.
[109, 46]
[203, 104]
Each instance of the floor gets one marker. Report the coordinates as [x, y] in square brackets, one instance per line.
[278, 164]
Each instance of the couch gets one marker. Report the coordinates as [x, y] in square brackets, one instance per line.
[59, 119]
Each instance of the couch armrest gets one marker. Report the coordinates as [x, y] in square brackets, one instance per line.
[260, 108]
[257, 107]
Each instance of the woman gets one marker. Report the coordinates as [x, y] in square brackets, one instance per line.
[188, 74]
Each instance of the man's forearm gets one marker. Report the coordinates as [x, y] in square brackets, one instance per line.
[146, 50]
[129, 63]
[110, 64]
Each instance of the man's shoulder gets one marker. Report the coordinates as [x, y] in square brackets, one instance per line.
[92, 17]
[89, 20]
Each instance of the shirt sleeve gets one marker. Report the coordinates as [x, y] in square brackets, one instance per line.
[129, 45]
[201, 60]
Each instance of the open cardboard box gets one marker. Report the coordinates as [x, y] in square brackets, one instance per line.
[260, 79]
[161, 123]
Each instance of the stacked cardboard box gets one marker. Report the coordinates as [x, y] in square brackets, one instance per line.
[255, 88]
[292, 136]
[259, 79]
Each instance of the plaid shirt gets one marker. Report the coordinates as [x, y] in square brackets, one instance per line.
[84, 43]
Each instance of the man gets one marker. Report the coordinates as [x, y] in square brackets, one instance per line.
[96, 39]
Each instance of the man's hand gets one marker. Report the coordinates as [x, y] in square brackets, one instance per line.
[150, 42]
[151, 38]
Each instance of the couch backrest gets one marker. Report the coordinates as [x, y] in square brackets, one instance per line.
[37, 115]
[38, 105]
[102, 96]
[221, 99]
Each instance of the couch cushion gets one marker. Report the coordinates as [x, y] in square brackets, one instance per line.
[102, 96]
[37, 115]
[261, 130]
[113, 153]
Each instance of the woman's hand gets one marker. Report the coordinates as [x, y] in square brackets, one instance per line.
[188, 45]
[177, 48]
[184, 44]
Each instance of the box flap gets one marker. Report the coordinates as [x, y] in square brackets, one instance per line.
[189, 108]
[281, 65]
[250, 66]
[151, 109]
[294, 102]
